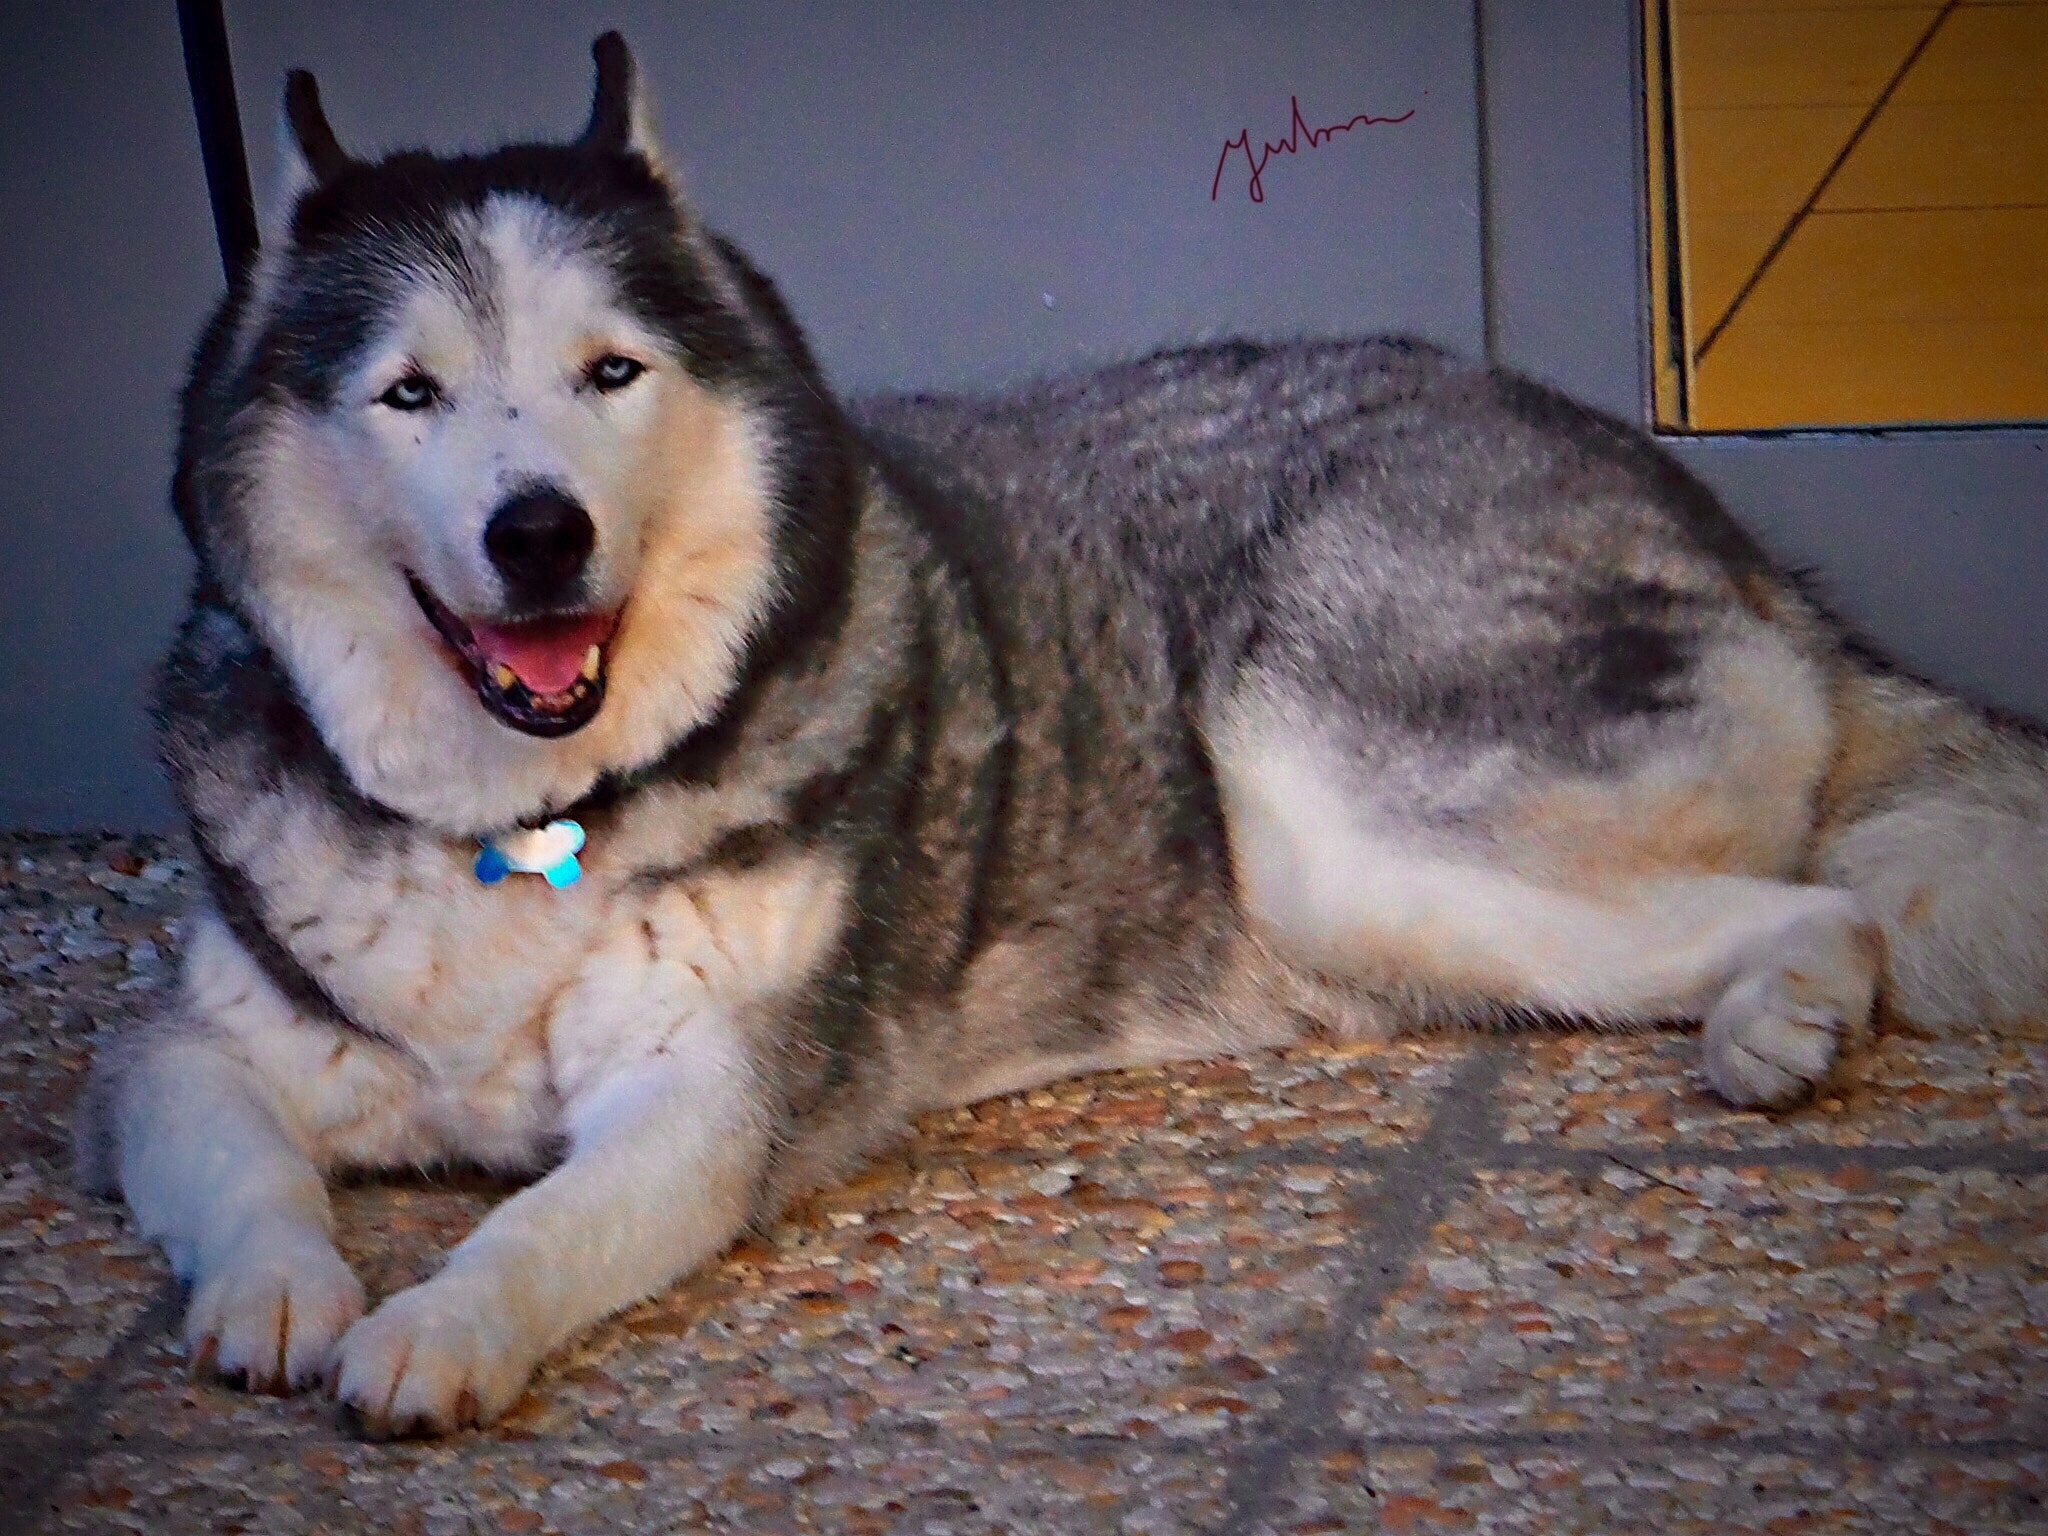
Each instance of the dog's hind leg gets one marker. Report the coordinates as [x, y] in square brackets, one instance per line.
[1475, 925]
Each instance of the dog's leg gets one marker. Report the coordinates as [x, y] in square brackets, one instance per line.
[1783, 975]
[665, 1158]
[241, 1210]
[218, 1124]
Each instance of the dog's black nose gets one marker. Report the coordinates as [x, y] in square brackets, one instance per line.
[540, 541]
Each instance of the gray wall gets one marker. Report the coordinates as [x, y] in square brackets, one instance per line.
[920, 177]
[110, 266]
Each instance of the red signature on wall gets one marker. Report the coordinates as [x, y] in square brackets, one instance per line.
[1297, 131]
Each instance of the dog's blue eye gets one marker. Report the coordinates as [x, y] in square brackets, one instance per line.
[414, 392]
[614, 371]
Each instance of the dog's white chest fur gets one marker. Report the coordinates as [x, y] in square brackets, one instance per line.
[485, 1012]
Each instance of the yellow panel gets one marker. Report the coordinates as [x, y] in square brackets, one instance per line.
[1984, 53]
[1689, 8]
[1762, 375]
[1669, 366]
[1792, 57]
[1937, 154]
[1916, 290]
[1928, 266]
[1720, 253]
[1747, 171]
[1760, 159]
[1896, 317]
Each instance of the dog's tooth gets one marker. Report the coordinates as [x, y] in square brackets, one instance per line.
[504, 676]
[593, 661]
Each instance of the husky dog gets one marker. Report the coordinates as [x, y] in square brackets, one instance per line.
[925, 749]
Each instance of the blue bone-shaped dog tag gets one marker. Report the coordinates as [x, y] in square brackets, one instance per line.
[548, 851]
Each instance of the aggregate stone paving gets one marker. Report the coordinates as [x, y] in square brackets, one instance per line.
[1690, 1490]
[873, 1486]
[1722, 1301]
[1538, 1284]
[73, 1281]
[1145, 1299]
[1911, 1091]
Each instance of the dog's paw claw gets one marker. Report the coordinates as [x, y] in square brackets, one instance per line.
[269, 1318]
[429, 1361]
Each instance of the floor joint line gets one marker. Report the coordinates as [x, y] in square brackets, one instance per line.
[51, 1454]
[1441, 1166]
[1622, 1443]
[1819, 1157]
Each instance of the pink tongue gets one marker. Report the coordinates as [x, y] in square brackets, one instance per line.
[547, 654]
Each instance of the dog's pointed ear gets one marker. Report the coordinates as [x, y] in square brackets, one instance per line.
[309, 141]
[621, 121]
[308, 156]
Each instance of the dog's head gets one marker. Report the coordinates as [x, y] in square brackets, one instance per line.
[507, 460]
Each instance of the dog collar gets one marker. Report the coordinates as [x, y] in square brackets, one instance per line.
[548, 851]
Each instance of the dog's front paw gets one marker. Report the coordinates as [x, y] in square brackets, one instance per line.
[268, 1317]
[432, 1359]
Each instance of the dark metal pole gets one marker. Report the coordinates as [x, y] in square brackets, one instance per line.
[212, 79]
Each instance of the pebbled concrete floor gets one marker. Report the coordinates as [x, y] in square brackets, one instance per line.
[1543, 1284]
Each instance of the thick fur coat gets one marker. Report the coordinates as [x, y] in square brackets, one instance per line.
[925, 749]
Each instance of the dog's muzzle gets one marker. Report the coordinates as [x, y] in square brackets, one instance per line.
[543, 676]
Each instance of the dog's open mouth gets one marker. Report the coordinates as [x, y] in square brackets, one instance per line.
[541, 676]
